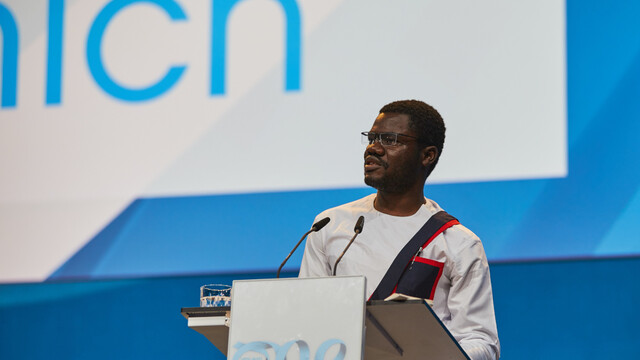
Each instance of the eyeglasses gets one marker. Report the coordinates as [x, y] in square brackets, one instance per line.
[386, 139]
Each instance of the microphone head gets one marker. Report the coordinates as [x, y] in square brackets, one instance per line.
[359, 225]
[320, 224]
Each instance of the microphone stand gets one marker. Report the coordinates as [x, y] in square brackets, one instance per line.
[292, 251]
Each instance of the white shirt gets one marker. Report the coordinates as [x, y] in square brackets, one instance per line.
[463, 299]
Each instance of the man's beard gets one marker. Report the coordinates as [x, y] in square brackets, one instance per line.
[398, 182]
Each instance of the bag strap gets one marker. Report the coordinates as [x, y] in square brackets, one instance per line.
[436, 224]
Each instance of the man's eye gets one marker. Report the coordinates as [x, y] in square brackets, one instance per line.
[387, 139]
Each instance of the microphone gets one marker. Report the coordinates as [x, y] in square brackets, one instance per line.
[358, 230]
[316, 227]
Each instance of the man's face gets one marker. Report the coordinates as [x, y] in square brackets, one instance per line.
[397, 168]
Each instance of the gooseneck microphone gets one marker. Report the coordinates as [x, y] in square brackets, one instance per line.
[358, 230]
[316, 227]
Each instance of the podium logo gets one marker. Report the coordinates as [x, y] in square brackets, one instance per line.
[263, 350]
[95, 59]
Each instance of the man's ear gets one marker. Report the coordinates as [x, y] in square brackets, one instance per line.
[429, 155]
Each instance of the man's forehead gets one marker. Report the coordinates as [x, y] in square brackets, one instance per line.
[392, 122]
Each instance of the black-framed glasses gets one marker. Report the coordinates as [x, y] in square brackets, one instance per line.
[386, 138]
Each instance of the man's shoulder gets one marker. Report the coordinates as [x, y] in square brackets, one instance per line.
[461, 234]
[457, 236]
[359, 206]
[463, 245]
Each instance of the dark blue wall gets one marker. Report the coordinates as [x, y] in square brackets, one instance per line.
[568, 310]
[582, 309]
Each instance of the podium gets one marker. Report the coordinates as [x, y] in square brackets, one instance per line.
[385, 330]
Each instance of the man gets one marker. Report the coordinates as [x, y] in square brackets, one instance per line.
[404, 145]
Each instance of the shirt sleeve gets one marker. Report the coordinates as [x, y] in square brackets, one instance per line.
[470, 303]
[314, 261]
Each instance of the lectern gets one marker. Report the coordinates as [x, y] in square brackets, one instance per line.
[321, 318]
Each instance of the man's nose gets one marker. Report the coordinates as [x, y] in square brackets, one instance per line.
[375, 148]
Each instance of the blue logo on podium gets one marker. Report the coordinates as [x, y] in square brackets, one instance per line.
[263, 350]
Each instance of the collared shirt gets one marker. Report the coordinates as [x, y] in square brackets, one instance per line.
[463, 297]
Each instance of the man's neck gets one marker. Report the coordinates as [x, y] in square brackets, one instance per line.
[405, 204]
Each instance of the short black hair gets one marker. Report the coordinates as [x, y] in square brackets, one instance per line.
[424, 120]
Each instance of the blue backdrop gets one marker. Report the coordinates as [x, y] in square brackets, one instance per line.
[592, 212]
